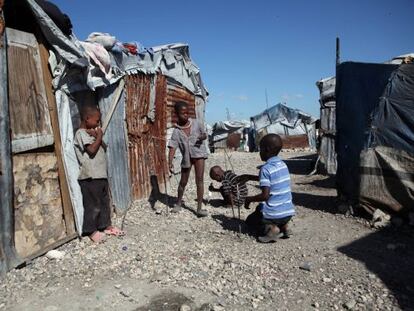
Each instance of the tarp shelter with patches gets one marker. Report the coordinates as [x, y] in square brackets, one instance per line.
[375, 135]
[47, 74]
[228, 134]
[296, 128]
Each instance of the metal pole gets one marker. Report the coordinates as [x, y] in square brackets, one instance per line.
[338, 52]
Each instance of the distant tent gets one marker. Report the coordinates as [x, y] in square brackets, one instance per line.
[228, 134]
[296, 127]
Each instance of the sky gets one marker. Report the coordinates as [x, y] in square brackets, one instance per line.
[249, 49]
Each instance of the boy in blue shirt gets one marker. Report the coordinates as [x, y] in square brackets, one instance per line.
[276, 205]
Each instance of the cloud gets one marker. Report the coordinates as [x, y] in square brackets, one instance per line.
[291, 97]
[242, 98]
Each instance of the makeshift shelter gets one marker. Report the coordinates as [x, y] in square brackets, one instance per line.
[375, 134]
[228, 134]
[327, 126]
[135, 92]
[296, 127]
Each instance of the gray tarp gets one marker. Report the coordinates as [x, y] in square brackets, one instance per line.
[282, 114]
[283, 120]
[222, 129]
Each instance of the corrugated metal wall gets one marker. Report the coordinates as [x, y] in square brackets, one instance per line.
[147, 141]
[117, 153]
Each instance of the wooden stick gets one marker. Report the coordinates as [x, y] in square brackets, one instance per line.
[115, 101]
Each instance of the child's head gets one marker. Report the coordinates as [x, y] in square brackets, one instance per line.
[90, 115]
[181, 109]
[270, 146]
[216, 173]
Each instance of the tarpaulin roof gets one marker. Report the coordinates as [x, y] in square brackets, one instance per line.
[281, 114]
[222, 129]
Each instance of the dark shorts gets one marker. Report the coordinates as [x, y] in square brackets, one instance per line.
[97, 212]
[256, 223]
[278, 222]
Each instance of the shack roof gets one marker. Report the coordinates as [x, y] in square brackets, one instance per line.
[282, 114]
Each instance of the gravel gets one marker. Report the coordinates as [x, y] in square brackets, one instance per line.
[332, 261]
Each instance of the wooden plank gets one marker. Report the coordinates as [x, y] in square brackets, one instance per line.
[8, 257]
[27, 94]
[51, 100]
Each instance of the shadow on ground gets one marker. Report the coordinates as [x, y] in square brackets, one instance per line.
[157, 196]
[316, 202]
[389, 254]
[169, 301]
[326, 183]
[302, 165]
[230, 223]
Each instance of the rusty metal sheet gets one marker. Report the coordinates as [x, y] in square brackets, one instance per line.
[146, 139]
[295, 141]
[176, 94]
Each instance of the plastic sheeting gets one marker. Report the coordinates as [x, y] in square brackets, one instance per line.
[222, 129]
[283, 120]
[70, 160]
[172, 60]
[375, 150]
[281, 114]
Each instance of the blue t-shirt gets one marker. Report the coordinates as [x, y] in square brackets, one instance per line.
[275, 175]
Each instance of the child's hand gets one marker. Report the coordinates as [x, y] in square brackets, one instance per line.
[211, 188]
[202, 137]
[99, 132]
[247, 205]
[91, 132]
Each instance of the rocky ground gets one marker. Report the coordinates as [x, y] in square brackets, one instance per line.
[180, 262]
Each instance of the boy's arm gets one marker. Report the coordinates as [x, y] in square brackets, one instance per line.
[247, 177]
[213, 189]
[171, 153]
[203, 133]
[93, 148]
[261, 197]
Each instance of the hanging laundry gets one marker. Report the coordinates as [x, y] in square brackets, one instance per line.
[104, 39]
[99, 56]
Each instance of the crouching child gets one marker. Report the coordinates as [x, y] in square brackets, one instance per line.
[233, 187]
[271, 218]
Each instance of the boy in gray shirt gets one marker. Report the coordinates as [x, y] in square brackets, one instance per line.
[90, 151]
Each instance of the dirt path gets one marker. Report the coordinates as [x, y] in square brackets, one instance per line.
[164, 262]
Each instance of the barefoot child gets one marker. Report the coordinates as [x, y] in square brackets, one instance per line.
[90, 151]
[188, 136]
[276, 208]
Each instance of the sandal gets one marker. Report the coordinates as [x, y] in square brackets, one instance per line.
[114, 231]
[97, 237]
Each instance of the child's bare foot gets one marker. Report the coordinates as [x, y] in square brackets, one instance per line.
[271, 236]
[97, 237]
[114, 231]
